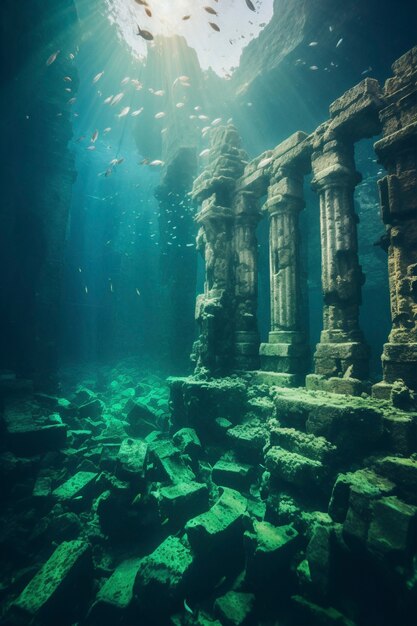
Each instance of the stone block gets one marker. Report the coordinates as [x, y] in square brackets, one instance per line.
[186, 439]
[393, 529]
[232, 474]
[222, 523]
[235, 608]
[28, 434]
[142, 418]
[164, 576]
[182, 501]
[269, 551]
[310, 446]
[248, 439]
[56, 591]
[400, 433]
[402, 472]
[93, 408]
[294, 469]
[116, 595]
[131, 459]
[82, 484]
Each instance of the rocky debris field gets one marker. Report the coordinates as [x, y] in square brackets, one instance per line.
[135, 501]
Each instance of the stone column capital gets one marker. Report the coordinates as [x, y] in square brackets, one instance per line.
[335, 175]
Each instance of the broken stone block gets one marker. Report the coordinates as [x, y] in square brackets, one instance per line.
[174, 470]
[186, 439]
[115, 596]
[269, 551]
[365, 487]
[235, 608]
[248, 439]
[164, 576]
[320, 555]
[294, 469]
[232, 474]
[400, 433]
[79, 485]
[131, 459]
[223, 521]
[403, 472]
[42, 488]
[58, 590]
[182, 501]
[392, 531]
[92, 409]
[142, 418]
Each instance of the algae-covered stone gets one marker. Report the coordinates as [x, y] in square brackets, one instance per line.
[187, 441]
[235, 608]
[142, 418]
[58, 586]
[131, 458]
[163, 576]
[232, 474]
[248, 439]
[81, 484]
[182, 501]
[294, 469]
[222, 521]
[403, 472]
[93, 408]
[116, 595]
[310, 446]
[269, 550]
[393, 529]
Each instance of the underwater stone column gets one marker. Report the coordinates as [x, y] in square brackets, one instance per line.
[286, 351]
[247, 216]
[342, 351]
[397, 151]
[214, 352]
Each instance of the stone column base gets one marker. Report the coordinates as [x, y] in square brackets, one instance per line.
[345, 386]
[286, 352]
[382, 391]
[399, 361]
[246, 350]
[347, 360]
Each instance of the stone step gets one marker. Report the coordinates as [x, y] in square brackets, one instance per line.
[296, 470]
[310, 446]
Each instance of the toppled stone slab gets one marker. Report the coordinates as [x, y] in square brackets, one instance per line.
[232, 474]
[186, 439]
[235, 608]
[81, 484]
[353, 424]
[269, 550]
[58, 586]
[403, 472]
[116, 595]
[224, 519]
[163, 576]
[182, 501]
[131, 458]
[315, 448]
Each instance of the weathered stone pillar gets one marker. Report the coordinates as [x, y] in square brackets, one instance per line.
[247, 216]
[397, 151]
[286, 351]
[342, 352]
[215, 191]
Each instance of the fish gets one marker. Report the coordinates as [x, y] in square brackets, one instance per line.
[52, 58]
[313, 43]
[186, 17]
[97, 77]
[366, 71]
[179, 105]
[108, 173]
[108, 100]
[142, 2]
[314, 67]
[125, 80]
[159, 115]
[214, 26]
[156, 163]
[250, 5]
[113, 162]
[204, 153]
[210, 10]
[166, 520]
[216, 121]
[72, 100]
[137, 112]
[94, 136]
[119, 161]
[203, 117]
[117, 98]
[160, 92]
[148, 12]
[124, 112]
[137, 291]
[145, 34]
[187, 607]
[68, 79]
[106, 130]
[71, 56]
[339, 42]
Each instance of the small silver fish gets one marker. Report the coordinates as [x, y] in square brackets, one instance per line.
[52, 58]
[97, 77]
